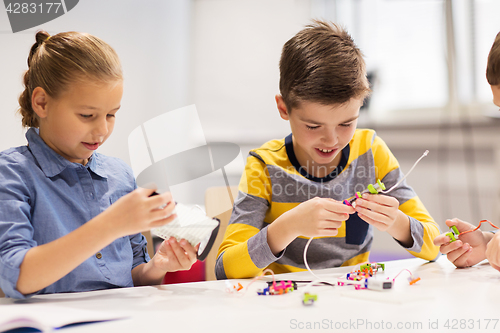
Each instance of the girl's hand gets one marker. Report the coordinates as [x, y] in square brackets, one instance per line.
[137, 211]
[174, 256]
[493, 251]
[466, 251]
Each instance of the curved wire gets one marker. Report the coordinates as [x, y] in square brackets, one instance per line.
[414, 165]
[480, 222]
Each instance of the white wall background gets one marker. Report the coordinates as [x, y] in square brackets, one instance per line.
[152, 39]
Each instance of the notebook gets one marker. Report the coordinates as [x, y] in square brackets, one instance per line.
[46, 318]
[193, 225]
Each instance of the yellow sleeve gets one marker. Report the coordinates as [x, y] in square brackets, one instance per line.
[243, 249]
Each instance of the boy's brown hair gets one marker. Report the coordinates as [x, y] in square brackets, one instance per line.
[493, 67]
[322, 64]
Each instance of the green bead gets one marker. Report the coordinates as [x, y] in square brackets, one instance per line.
[372, 189]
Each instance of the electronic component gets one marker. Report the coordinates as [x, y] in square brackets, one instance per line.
[375, 284]
[379, 187]
[278, 288]
[309, 299]
[453, 234]
[371, 188]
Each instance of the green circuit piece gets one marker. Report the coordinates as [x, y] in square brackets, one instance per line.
[451, 236]
[382, 186]
[372, 189]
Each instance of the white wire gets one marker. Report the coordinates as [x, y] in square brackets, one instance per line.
[305, 259]
[414, 165]
[318, 279]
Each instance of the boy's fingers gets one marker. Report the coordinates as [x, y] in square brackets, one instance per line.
[328, 232]
[335, 217]
[381, 199]
[329, 224]
[373, 215]
[338, 207]
[377, 224]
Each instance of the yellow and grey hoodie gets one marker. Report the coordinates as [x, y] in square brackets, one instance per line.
[274, 182]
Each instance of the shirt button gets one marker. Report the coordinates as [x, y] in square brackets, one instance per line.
[91, 195]
[98, 255]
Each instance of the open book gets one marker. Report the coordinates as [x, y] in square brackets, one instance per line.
[193, 225]
[46, 318]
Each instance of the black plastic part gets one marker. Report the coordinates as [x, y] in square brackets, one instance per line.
[210, 243]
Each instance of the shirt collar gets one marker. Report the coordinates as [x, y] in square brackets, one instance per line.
[293, 159]
[52, 163]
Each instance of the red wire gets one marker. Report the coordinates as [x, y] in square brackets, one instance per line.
[480, 222]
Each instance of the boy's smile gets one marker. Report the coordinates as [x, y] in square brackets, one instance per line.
[320, 132]
[78, 121]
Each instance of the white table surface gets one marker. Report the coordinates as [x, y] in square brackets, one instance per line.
[445, 299]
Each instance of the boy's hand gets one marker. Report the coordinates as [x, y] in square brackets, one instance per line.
[137, 211]
[493, 251]
[312, 218]
[175, 256]
[379, 210]
[319, 217]
[466, 251]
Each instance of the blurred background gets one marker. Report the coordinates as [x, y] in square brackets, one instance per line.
[426, 61]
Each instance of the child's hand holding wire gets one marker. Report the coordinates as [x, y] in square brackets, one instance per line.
[317, 217]
[469, 249]
[379, 210]
[383, 213]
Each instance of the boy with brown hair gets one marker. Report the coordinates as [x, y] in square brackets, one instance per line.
[292, 189]
[473, 247]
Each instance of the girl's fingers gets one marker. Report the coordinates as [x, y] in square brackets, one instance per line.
[164, 200]
[459, 256]
[185, 259]
[441, 240]
[450, 247]
[161, 220]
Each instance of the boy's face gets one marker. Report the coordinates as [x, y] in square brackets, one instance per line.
[320, 132]
[496, 94]
[80, 120]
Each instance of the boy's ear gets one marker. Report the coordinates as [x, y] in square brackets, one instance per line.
[280, 103]
[39, 99]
